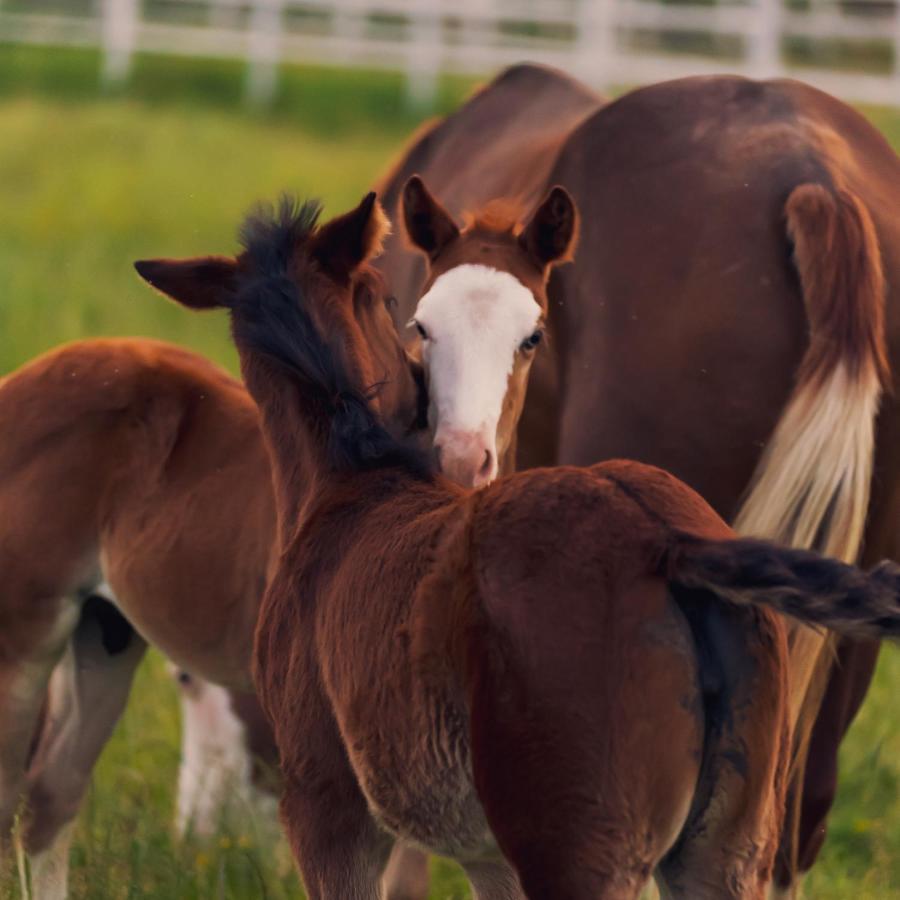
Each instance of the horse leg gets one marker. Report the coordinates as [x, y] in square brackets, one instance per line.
[493, 880]
[849, 680]
[340, 850]
[50, 867]
[85, 698]
[216, 764]
[728, 853]
[406, 875]
[30, 646]
[586, 777]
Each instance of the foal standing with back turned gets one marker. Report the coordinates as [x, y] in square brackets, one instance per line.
[537, 679]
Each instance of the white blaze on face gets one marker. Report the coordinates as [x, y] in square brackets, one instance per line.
[475, 318]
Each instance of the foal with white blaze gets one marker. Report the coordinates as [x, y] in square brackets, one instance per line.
[480, 319]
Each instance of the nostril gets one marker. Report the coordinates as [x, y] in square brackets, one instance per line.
[184, 678]
[485, 469]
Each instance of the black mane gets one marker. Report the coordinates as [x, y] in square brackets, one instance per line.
[270, 315]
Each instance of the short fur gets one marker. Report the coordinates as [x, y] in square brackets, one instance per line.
[496, 238]
[422, 684]
[135, 472]
[683, 334]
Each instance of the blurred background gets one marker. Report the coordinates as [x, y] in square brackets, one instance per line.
[135, 128]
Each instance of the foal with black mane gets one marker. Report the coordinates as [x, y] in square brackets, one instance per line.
[569, 681]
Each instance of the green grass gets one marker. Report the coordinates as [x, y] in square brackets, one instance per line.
[89, 183]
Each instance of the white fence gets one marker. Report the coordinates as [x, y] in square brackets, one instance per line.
[850, 48]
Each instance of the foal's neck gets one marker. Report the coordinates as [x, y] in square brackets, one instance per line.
[295, 430]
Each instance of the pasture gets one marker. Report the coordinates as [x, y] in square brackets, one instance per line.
[87, 184]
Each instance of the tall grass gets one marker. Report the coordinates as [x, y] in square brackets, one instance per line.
[89, 183]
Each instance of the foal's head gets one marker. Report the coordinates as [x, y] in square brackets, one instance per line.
[305, 302]
[481, 318]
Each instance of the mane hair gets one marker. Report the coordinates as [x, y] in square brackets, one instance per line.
[271, 316]
[499, 216]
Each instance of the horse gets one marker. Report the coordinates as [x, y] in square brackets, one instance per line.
[568, 680]
[731, 318]
[127, 466]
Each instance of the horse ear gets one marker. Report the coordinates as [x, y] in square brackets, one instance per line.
[428, 225]
[345, 243]
[551, 236]
[205, 282]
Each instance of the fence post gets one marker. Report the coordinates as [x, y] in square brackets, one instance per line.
[350, 26]
[423, 62]
[596, 42]
[765, 56]
[119, 28]
[264, 50]
[897, 49]
[223, 15]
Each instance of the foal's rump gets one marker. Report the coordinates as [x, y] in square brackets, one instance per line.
[585, 688]
[626, 665]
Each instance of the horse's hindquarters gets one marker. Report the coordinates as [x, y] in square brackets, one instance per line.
[587, 730]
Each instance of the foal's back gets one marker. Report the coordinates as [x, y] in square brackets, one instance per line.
[114, 452]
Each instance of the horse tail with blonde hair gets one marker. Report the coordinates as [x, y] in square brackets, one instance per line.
[811, 487]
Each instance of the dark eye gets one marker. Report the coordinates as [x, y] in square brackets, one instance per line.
[532, 340]
[422, 332]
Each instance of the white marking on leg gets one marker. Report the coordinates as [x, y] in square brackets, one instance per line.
[216, 765]
[50, 868]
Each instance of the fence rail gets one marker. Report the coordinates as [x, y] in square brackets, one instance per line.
[850, 47]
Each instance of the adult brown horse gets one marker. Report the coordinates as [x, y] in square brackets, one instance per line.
[724, 318]
[136, 505]
[475, 670]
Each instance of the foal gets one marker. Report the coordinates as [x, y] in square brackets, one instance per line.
[136, 505]
[566, 681]
[480, 318]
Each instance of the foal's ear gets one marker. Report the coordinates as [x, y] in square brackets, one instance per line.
[551, 236]
[204, 282]
[345, 243]
[428, 225]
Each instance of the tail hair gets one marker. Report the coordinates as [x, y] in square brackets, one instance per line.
[811, 487]
[798, 583]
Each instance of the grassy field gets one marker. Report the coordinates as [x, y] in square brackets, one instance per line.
[89, 183]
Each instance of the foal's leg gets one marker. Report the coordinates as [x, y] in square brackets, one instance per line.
[728, 851]
[50, 867]
[31, 642]
[494, 880]
[340, 850]
[216, 763]
[406, 875]
[851, 675]
[87, 693]
[584, 737]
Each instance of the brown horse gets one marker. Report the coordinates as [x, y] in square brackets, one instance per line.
[728, 318]
[580, 668]
[137, 505]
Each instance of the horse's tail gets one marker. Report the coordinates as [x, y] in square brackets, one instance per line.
[811, 487]
[799, 583]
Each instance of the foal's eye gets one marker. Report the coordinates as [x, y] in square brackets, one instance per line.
[532, 340]
[420, 328]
